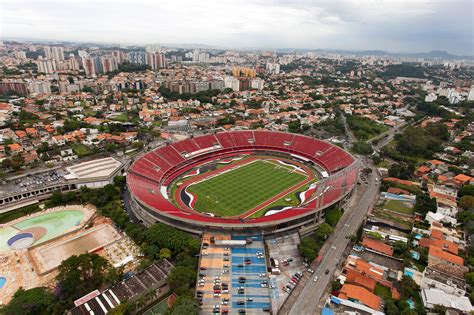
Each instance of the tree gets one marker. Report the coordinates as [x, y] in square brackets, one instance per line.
[36, 301]
[469, 277]
[180, 279]
[81, 274]
[466, 190]
[185, 305]
[323, 231]
[119, 181]
[164, 236]
[294, 126]
[332, 216]
[165, 253]
[466, 202]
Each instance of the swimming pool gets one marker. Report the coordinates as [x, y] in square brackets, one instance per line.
[3, 280]
[43, 227]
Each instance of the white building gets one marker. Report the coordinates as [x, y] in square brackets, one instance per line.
[39, 87]
[232, 83]
[433, 279]
[56, 53]
[257, 84]
[46, 65]
[272, 68]
[433, 297]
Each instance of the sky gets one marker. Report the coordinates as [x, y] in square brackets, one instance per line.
[391, 25]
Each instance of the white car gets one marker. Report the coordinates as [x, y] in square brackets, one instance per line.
[315, 278]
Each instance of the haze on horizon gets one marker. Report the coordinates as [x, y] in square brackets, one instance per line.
[395, 26]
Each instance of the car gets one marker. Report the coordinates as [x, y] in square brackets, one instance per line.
[249, 299]
[202, 274]
[240, 302]
[226, 266]
[217, 295]
[217, 306]
[204, 253]
[203, 268]
[200, 291]
[310, 270]
[240, 265]
[326, 272]
[225, 271]
[289, 259]
[201, 284]
[262, 275]
[225, 311]
[240, 291]
[241, 311]
[226, 259]
[226, 254]
[315, 278]
[216, 311]
[242, 278]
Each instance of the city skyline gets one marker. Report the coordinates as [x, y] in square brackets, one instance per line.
[397, 27]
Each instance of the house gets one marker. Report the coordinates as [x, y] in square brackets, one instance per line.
[15, 148]
[433, 297]
[359, 294]
[462, 179]
[445, 262]
[439, 280]
[377, 246]
[59, 140]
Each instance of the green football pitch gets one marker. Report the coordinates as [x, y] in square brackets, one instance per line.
[242, 189]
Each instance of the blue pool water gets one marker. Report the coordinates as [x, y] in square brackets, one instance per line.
[3, 280]
[415, 255]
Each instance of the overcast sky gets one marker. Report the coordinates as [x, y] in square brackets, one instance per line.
[393, 25]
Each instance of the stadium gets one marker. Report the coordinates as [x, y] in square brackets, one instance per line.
[257, 181]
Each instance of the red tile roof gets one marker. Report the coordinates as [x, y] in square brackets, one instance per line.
[440, 254]
[377, 246]
[364, 296]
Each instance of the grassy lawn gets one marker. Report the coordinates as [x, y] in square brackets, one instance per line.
[243, 188]
[364, 128]
[293, 201]
[382, 291]
[398, 206]
[81, 150]
[123, 117]
[379, 213]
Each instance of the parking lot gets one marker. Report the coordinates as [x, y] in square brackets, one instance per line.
[33, 181]
[283, 252]
[232, 277]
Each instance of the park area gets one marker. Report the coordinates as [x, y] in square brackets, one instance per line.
[243, 188]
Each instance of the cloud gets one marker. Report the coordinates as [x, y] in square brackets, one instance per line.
[399, 25]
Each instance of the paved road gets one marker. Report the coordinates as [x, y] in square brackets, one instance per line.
[309, 297]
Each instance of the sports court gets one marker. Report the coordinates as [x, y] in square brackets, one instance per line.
[50, 256]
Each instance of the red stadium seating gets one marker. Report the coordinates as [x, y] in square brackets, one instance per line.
[205, 141]
[161, 166]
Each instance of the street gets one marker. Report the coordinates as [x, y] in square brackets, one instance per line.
[309, 297]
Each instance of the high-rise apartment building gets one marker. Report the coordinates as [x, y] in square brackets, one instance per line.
[108, 63]
[89, 66]
[119, 55]
[46, 65]
[156, 60]
[243, 72]
[153, 48]
[138, 57]
[54, 52]
[39, 87]
[273, 68]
